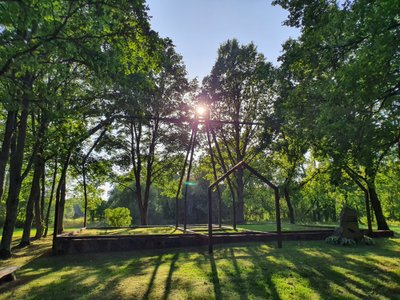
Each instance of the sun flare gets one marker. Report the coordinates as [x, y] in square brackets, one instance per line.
[200, 110]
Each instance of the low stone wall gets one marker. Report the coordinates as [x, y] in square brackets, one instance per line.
[85, 244]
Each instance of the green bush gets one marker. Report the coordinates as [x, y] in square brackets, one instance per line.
[119, 216]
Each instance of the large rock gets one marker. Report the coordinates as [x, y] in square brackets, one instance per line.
[349, 224]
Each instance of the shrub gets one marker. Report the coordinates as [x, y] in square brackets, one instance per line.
[119, 216]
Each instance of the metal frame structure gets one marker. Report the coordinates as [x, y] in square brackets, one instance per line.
[211, 137]
[187, 167]
[209, 123]
[242, 164]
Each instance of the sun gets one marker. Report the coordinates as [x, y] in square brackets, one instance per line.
[200, 110]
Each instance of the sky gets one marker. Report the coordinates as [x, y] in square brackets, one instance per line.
[198, 27]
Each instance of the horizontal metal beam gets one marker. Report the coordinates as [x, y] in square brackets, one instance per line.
[182, 120]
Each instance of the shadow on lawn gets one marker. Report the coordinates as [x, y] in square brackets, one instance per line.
[330, 275]
[241, 271]
[168, 283]
[215, 279]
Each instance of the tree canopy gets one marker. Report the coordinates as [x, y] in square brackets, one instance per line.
[91, 97]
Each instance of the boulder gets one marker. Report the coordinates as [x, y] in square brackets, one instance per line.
[349, 225]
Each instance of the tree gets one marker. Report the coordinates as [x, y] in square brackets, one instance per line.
[57, 63]
[344, 77]
[150, 146]
[239, 87]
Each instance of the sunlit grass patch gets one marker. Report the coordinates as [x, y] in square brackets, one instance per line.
[300, 270]
[269, 227]
[291, 285]
[130, 231]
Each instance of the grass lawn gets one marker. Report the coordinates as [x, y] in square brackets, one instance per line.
[300, 270]
[295, 227]
[224, 229]
[18, 232]
[272, 227]
[131, 231]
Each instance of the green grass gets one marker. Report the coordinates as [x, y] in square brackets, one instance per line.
[395, 228]
[300, 270]
[224, 229]
[267, 227]
[131, 231]
[18, 231]
[287, 226]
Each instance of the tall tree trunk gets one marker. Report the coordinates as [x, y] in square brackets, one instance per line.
[143, 215]
[53, 184]
[34, 197]
[136, 157]
[16, 161]
[138, 191]
[39, 222]
[289, 204]
[60, 198]
[240, 172]
[5, 147]
[38, 215]
[376, 205]
[356, 178]
[149, 169]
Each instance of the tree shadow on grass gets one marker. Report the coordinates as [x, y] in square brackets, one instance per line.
[335, 273]
[153, 277]
[168, 282]
[215, 278]
[245, 271]
[266, 272]
[92, 276]
[207, 263]
[22, 279]
[240, 287]
[233, 264]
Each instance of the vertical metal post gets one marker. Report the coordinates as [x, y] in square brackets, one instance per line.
[84, 172]
[215, 176]
[188, 177]
[210, 241]
[85, 195]
[209, 197]
[181, 179]
[229, 181]
[277, 205]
